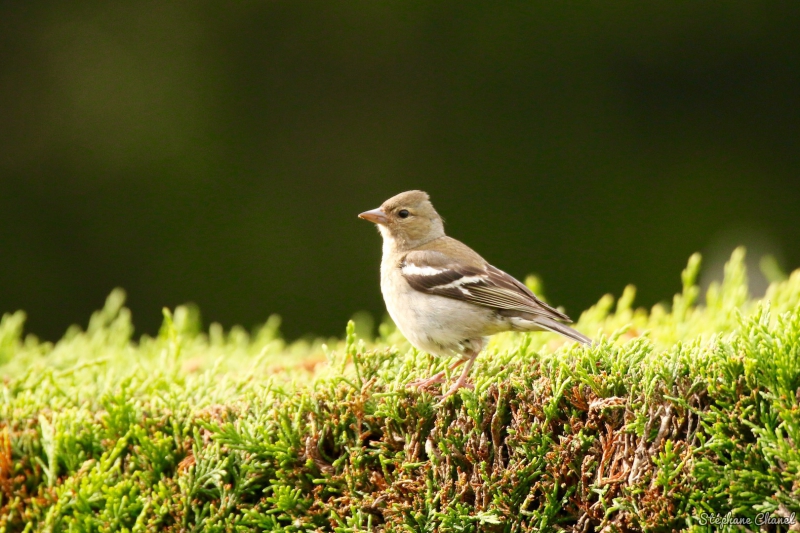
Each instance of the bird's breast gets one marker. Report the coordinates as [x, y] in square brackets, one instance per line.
[432, 323]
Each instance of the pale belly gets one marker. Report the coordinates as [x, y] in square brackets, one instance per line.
[436, 324]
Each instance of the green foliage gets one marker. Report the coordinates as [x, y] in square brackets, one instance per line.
[669, 415]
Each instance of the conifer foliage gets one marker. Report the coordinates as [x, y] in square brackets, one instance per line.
[676, 412]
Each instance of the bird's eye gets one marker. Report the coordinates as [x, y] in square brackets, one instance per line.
[403, 213]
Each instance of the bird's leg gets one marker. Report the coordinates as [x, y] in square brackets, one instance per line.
[436, 378]
[462, 379]
[472, 347]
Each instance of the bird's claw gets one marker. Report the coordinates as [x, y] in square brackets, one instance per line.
[455, 388]
[426, 382]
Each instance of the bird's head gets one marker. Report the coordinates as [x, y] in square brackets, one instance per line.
[407, 219]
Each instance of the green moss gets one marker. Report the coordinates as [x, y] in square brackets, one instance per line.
[671, 414]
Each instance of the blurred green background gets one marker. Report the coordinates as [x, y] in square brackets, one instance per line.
[218, 152]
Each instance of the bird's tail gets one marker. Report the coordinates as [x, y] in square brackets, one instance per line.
[534, 323]
[557, 327]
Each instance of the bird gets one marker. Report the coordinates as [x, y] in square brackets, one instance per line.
[443, 296]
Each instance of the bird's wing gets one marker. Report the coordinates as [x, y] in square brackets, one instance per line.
[436, 273]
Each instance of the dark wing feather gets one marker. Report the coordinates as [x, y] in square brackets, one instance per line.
[435, 273]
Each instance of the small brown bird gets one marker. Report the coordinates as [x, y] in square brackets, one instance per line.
[445, 298]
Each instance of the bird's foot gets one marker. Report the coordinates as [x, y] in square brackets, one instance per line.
[436, 378]
[461, 383]
[462, 379]
[426, 382]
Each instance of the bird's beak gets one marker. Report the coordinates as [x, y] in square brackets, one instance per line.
[376, 216]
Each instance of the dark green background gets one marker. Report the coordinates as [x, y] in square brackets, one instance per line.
[218, 152]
